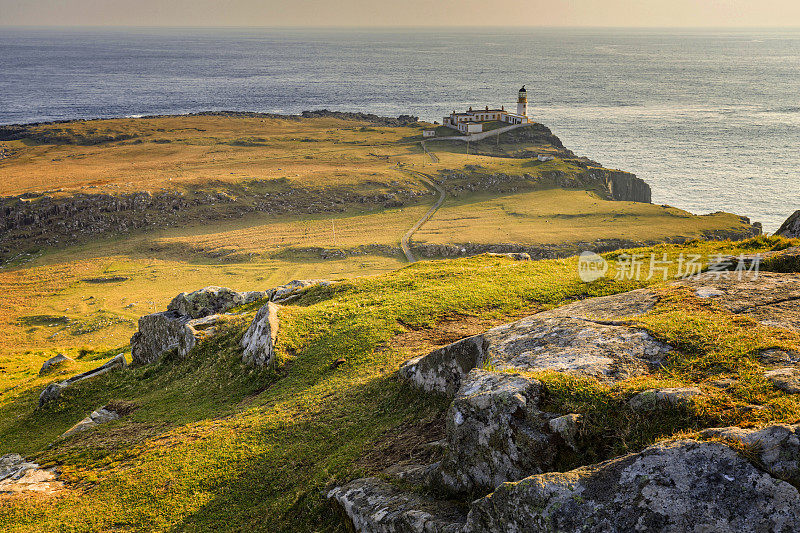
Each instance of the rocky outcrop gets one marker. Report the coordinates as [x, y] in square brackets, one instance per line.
[675, 485]
[502, 442]
[292, 290]
[94, 419]
[211, 301]
[402, 120]
[163, 332]
[190, 317]
[258, 341]
[495, 432]
[790, 227]
[768, 297]
[54, 362]
[776, 448]
[681, 485]
[54, 390]
[20, 476]
[374, 506]
[581, 338]
[443, 369]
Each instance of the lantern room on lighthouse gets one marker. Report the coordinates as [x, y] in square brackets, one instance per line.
[522, 102]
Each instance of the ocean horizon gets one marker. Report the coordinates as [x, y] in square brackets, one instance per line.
[709, 118]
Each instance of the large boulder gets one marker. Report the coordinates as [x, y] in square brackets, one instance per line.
[681, 485]
[259, 339]
[293, 289]
[55, 362]
[54, 390]
[443, 369]
[790, 227]
[211, 301]
[495, 433]
[162, 332]
[585, 338]
[373, 505]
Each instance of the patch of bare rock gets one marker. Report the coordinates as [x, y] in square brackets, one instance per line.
[54, 390]
[502, 444]
[102, 415]
[20, 476]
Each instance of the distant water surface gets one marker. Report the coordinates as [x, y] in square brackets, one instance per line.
[711, 119]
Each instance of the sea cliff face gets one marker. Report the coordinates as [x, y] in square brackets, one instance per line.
[626, 186]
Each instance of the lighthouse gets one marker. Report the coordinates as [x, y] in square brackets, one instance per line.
[522, 102]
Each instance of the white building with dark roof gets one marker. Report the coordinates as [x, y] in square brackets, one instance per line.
[472, 120]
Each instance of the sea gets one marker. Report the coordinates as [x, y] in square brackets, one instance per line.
[710, 118]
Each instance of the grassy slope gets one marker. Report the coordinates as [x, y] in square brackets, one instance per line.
[215, 446]
[561, 216]
[258, 250]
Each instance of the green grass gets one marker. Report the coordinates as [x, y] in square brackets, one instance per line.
[215, 445]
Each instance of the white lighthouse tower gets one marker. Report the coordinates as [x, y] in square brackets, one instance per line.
[522, 102]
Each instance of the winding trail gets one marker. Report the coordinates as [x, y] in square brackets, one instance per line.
[428, 181]
[434, 157]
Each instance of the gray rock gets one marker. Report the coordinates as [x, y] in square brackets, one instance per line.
[578, 346]
[775, 356]
[661, 398]
[259, 339]
[162, 332]
[673, 486]
[54, 362]
[768, 297]
[19, 476]
[585, 338]
[567, 427]
[443, 369]
[97, 417]
[294, 289]
[790, 227]
[785, 379]
[54, 390]
[613, 309]
[495, 433]
[375, 506]
[211, 301]
[777, 447]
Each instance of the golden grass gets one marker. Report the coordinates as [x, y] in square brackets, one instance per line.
[174, 152]
[560, 216]
[249, 238]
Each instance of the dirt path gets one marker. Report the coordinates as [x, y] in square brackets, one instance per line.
[404, 241]
[434, 157]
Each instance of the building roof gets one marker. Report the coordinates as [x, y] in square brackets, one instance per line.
[523, 89]
[480, 111]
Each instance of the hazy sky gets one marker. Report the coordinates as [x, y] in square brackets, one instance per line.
[401, 12]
